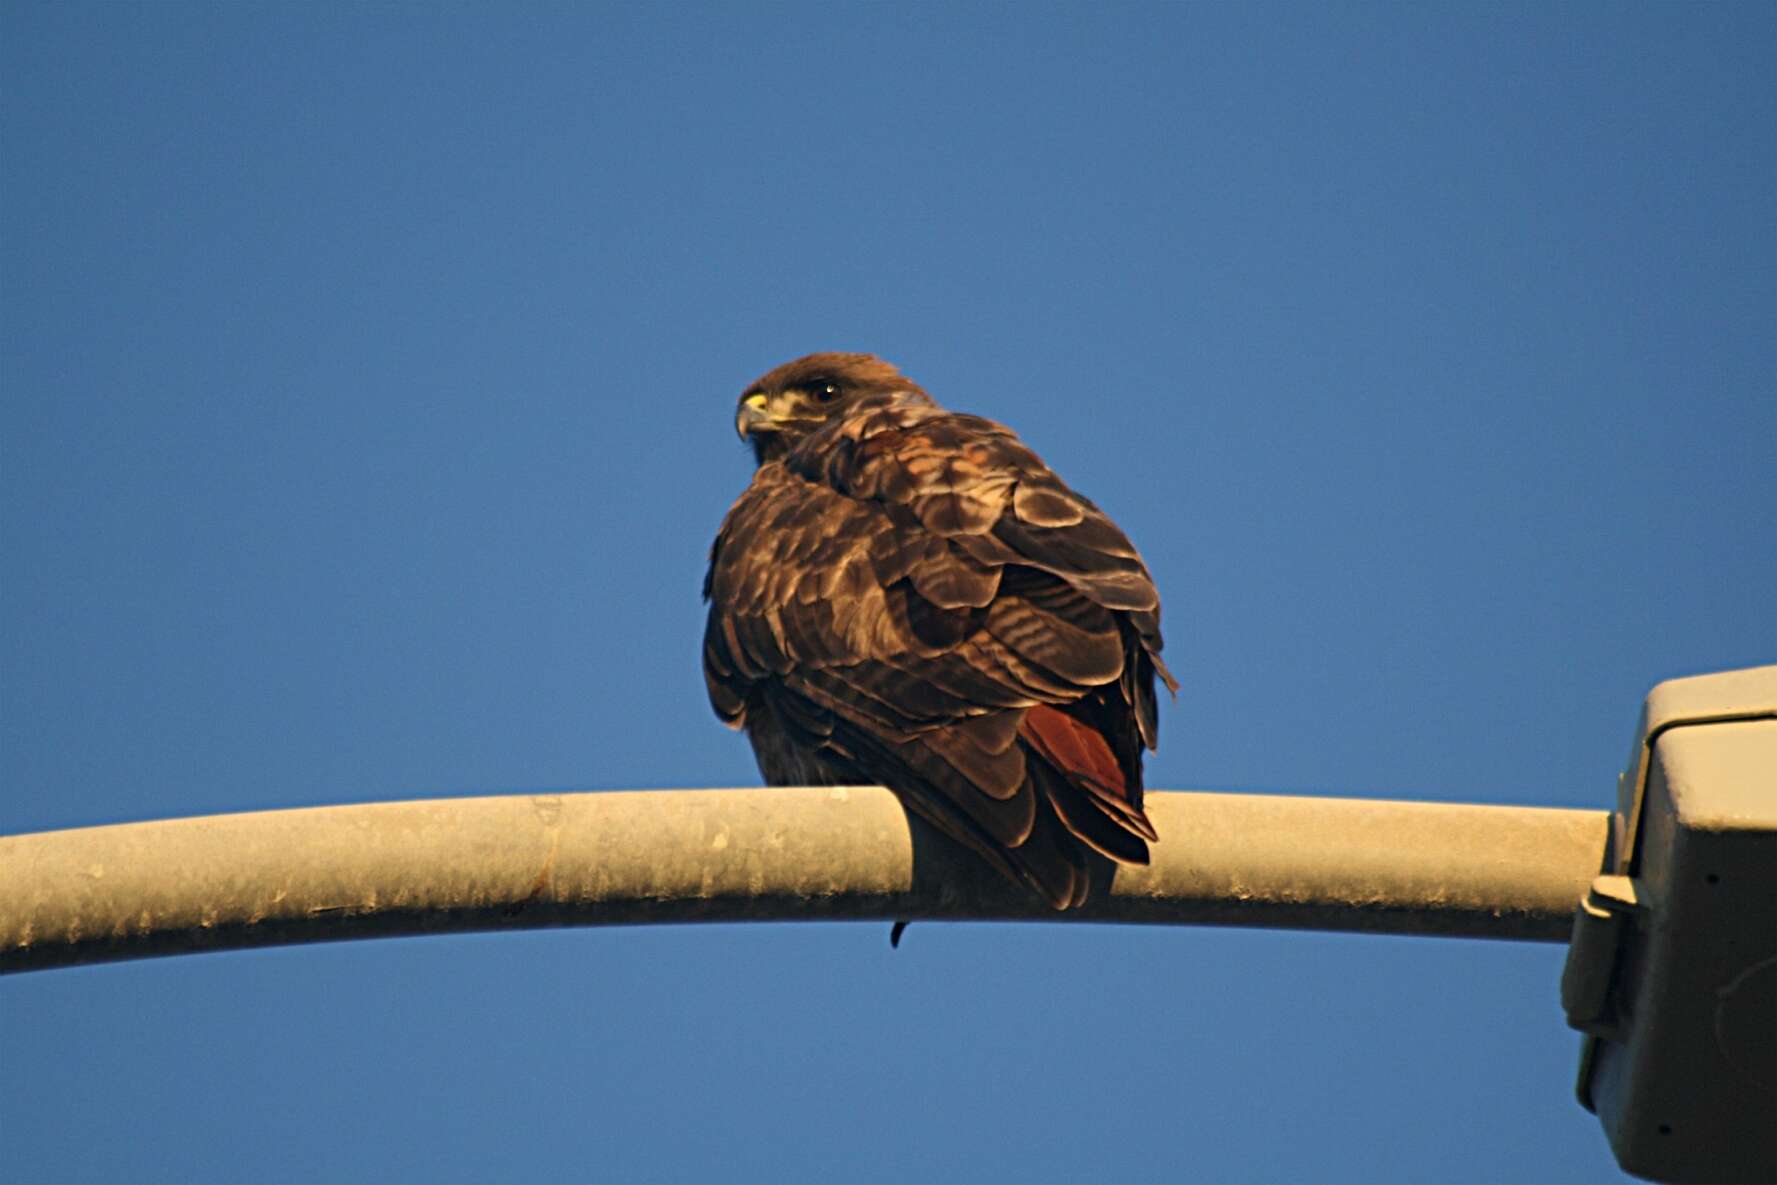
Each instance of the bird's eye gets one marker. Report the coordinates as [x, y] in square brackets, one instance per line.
[824, 392]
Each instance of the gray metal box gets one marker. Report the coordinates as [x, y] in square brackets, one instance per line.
[1672, 973]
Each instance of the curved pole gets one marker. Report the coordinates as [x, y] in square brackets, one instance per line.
[784, 854]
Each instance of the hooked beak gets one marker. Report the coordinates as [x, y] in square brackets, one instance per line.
[752, 416]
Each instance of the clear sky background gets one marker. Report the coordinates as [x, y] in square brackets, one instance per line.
[368, 408]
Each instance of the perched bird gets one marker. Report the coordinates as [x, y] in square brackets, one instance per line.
[906, 596]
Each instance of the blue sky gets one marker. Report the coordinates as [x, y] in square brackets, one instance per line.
[368, 376]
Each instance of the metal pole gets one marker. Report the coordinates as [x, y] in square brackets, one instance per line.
[784, 854]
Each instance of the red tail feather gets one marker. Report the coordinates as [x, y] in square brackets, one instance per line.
[1084, 757]
[1093, 796]
[1074, 748]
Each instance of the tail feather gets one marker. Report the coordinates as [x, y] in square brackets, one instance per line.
[1089, 789]
[1082, 815]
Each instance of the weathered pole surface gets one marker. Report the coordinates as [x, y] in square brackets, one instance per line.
[785, 854]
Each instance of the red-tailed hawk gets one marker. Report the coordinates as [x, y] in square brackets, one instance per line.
[908, 597]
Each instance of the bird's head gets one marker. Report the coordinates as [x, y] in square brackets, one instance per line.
[782, 407]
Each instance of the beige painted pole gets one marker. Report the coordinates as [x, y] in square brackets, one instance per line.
[784, 854]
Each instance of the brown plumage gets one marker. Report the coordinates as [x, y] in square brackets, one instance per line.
[907, 596]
